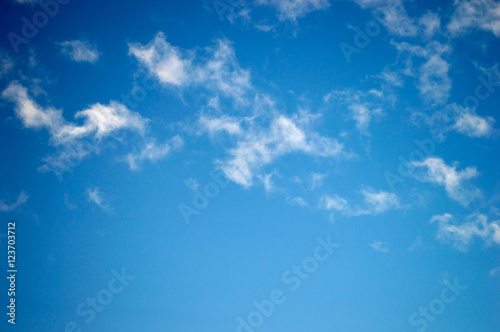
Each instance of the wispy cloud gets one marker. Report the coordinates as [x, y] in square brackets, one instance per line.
[224, 123]
[79, 50]
[219, 71]
[95, 196]
[418, 243]
[260, 145]
[6, 63]
[293, 9]
[299, 201]
[317, 180]
[393, 15]
[457, 118]
[73, 141]
[153, 152]
[456, 183]
[379, 246]
[373, 203]
[362, 105]
[462, 235]
[475, 14]
[494, 271]
[21, 199]
[433, 80]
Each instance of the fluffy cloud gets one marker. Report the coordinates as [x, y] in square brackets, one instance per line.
[168, 63]
[74, 141]
[455, 182]
[472, 125]
[218, 72]
[79, 51]
[475, 14]
[373, 203]
[334, 202]
[462, 235]
[21, 199]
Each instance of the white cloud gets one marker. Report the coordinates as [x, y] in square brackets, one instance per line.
[31, 114]
[6, 64]
[95, 196]
[393, 15]
[379, 246]
[21, 199]
[373, 203]
[214, 125]
[433, 81]
[472, 125]
[105, 119]
[362, 106]
[361, 114]
[293, 9]
[494, 271]
[192, 183]
[475, 14]
[153, 152]
[379, 202]
[430, 24]
[261, 145]
[417, 244]
[461, 236]
[334, 202]
[299, 201]
[317, 180]
[100, 120]
[218, 72]
[457, 118]
[455, 182]
[74, 141]
[68, 204]
[79, 50]
[168, 63]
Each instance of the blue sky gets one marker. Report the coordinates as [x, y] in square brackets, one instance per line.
[264, 165]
